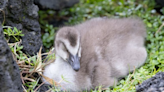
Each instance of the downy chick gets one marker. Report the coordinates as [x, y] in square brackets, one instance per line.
[97, 52]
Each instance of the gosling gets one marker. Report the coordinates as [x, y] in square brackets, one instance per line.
[96, 53]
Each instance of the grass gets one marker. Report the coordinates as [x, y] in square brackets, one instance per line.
[31, 66]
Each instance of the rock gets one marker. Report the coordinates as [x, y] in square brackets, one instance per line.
[55, 4]
[44, 88]
[23, 14]
[30, 43]
[160, 3]
[9, 71]
[154, 84]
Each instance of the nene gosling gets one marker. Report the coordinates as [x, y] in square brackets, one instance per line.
[97, 52]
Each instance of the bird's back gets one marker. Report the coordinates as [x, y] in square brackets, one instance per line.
[106, 42]
[106, 35]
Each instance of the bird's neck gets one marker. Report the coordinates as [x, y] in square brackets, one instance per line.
[64, 65]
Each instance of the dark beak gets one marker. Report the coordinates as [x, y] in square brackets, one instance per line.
[74, 62]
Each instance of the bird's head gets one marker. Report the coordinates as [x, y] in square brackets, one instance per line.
[67, 46]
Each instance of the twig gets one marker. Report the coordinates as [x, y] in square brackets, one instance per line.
[32, 80]
[39, 86]
[20, 62]
[160, 28]
[16, 43]
[25, 69]
[26, 66]
[24, 88]
[44, 54]
[22, 79]
[48, 90]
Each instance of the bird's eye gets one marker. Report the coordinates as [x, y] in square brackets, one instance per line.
[65, 49]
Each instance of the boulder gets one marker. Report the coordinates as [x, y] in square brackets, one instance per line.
[10, 80]
[55, 4]
[160, 3]
[23, 14]
[154, 84]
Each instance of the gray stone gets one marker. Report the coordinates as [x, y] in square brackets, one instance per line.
[154, 84]
[55, 4]
[160, 3]
[9, 71]
[23, 15]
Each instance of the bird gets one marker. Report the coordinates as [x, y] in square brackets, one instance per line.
[97, 52]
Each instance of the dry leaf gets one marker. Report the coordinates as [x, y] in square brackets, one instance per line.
[39, 60]
[49, 80]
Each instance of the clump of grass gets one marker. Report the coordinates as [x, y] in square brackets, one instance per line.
[48, 37]
[30, 66]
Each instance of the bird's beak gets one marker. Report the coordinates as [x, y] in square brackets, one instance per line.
[74, 62]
